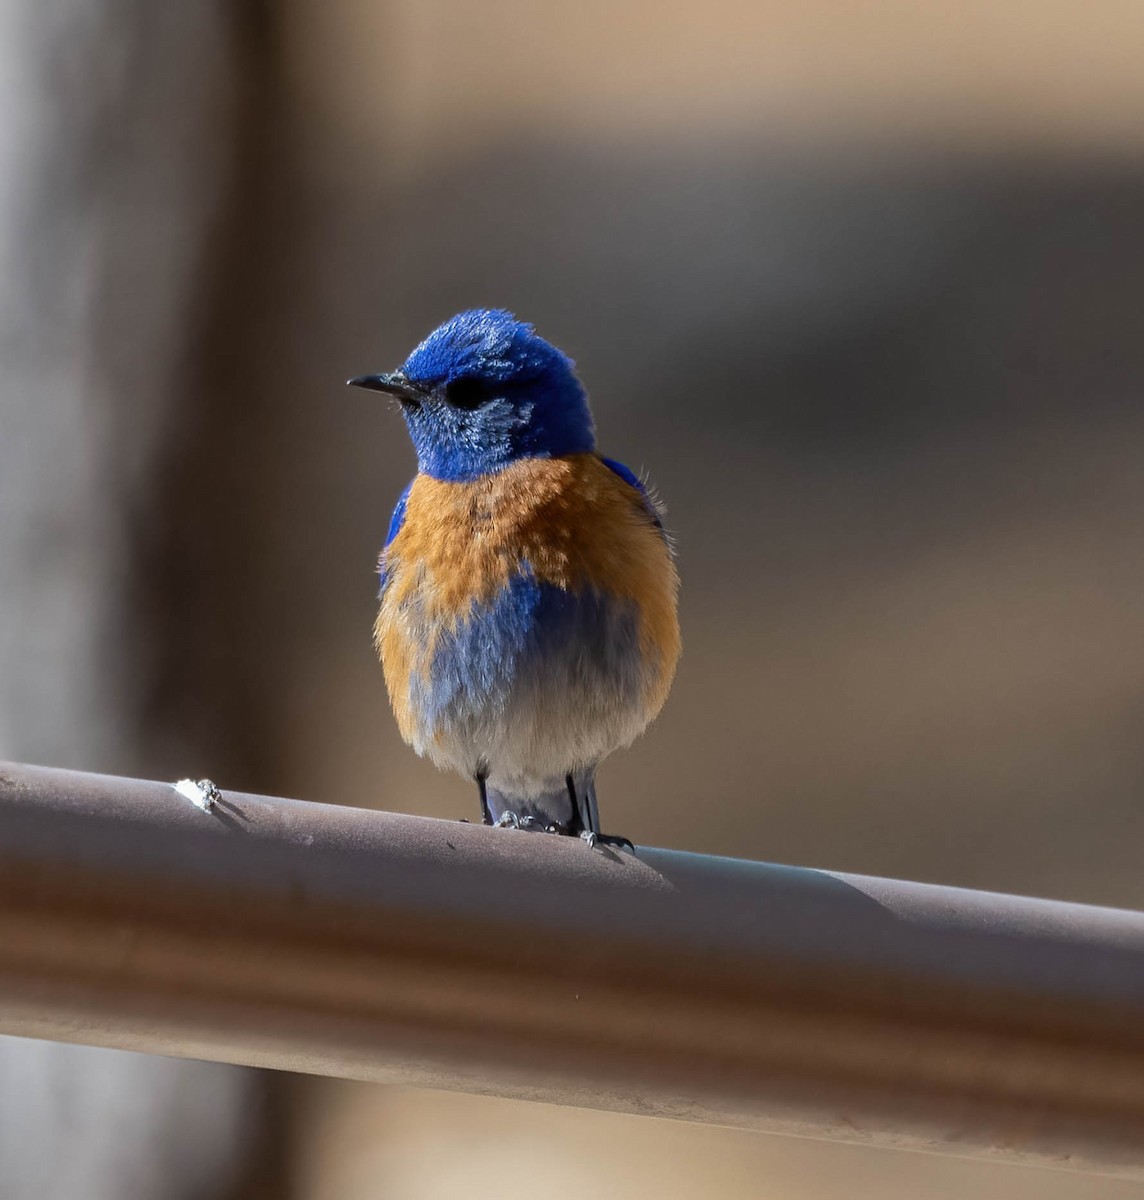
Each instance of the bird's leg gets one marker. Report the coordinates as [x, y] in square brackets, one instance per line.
[486, 816]
[508, 820]
[590, 805]
[586, 817]
[578, 825]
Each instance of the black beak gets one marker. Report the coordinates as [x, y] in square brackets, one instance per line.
[395, 384]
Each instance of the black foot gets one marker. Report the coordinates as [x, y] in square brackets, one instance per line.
[607, 839]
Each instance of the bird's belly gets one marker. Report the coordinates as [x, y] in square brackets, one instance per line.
[536, 684]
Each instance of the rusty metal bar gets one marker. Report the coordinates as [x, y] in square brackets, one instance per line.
[374, 946]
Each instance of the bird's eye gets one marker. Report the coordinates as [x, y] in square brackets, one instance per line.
[466, 393]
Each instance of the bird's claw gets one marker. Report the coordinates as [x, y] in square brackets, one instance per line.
[529, 822]
[606, 839]
[536, 825]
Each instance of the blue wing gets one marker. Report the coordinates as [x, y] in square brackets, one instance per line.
[395, 524]
[654, 510]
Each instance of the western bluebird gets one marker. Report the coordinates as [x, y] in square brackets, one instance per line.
[527, 625]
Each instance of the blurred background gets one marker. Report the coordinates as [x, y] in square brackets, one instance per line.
[860, 286]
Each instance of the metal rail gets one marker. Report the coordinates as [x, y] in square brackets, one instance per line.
[373, 946]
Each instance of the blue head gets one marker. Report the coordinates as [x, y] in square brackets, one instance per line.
[482, 391]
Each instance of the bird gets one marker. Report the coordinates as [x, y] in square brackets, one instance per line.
[527, 625]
